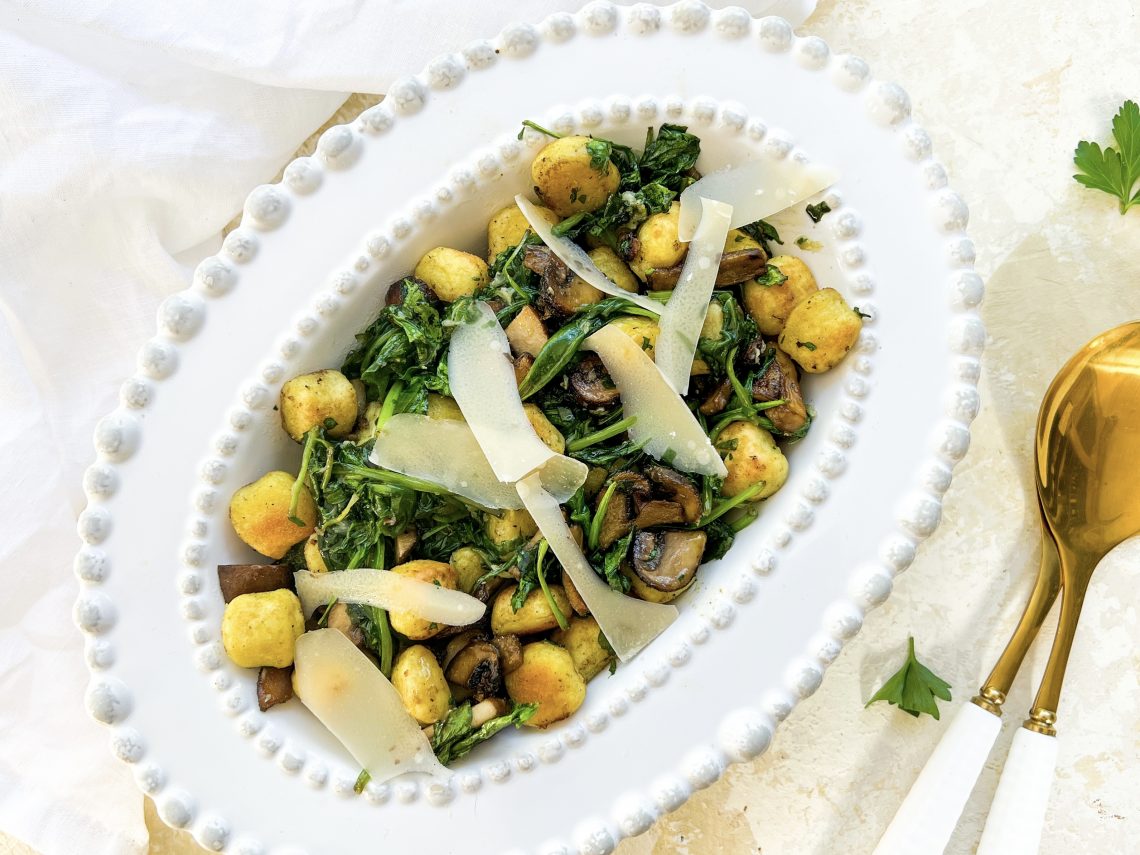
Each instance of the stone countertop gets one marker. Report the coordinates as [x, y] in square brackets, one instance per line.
[1005, 91]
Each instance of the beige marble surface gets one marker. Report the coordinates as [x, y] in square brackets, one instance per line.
[1005, 90]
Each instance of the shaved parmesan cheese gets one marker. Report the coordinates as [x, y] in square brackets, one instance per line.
[574, 257]
[672, 433]
[627, 623]
[444, 452]
[684, 314]
[483, 383]
[755, 190]
[387, 590]
[350, 696]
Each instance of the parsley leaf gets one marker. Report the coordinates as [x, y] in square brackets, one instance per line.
[914, 688]
[1114, 170]
[599, 151]
[771, 276]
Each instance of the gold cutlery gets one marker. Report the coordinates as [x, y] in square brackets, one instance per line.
[1087, 452]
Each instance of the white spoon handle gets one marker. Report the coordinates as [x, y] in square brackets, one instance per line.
[931, 809]
[1017, 814]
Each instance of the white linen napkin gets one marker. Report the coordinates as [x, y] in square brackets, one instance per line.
[130, 133]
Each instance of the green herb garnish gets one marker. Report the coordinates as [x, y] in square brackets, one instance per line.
[1114, 170]
[454, 736]
[914, 688]
[817, 211]
[771, 276]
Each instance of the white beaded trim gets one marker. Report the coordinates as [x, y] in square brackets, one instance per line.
[744, 733]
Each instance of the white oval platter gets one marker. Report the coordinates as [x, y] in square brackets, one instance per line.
[307, 269]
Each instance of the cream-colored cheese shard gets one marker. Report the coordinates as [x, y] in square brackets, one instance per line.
[387, 590]
[444, 452]
[574, 257]
[755, 190]
[670, 430]
[684, 314]
[360, 707]
[483, 383]
[627, 623]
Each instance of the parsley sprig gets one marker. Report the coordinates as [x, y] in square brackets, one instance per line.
[914, 688]
[1115, 171]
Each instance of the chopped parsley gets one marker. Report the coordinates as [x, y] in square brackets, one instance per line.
[817, 211]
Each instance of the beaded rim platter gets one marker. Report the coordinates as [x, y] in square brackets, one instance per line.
[307, 268]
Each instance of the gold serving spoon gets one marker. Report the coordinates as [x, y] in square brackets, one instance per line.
[1087, 451]
[1088, 440]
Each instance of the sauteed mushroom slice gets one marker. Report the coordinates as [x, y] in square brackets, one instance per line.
[523, 363]
[717, 399]
[659, 512]
[510, 652]
[238, 579]
[780, 381]
[561, 292]
[592, 384]
[737, 266]
[340, 619]
[405, 543]
[678, 488]
[476, 667]
[274, 686]
[618, 513]
[667, 560]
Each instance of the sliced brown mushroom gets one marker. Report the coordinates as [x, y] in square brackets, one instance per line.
[576, 602]
[274, 686]
[560, 290]
[755, 353]
[405, 543]
[398, 291]
[659, 512]
[592, 384]
[238, 579]
[779, 381]
[717, 399]
[339, 619]
[523, 363]
[526, 333]
[476, 668]
[618, 519]
[679, 488]
[740, 265]
[510, 652]
[667, 560]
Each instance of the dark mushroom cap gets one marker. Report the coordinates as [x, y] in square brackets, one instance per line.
[667, 560]
[476, 668]
[740, 265]
[592, 384]
[398, 291]
[779, 382]
[678, 488]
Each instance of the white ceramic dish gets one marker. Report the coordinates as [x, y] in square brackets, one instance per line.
[307, 268]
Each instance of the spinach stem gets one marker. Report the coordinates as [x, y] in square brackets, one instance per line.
[361, 781]
[380, 618]
[742, 395]
[298, 485]
[389, 406]
[599, 515]
[719, 510]
[541, 573]
[601, 435]
[527, 123]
